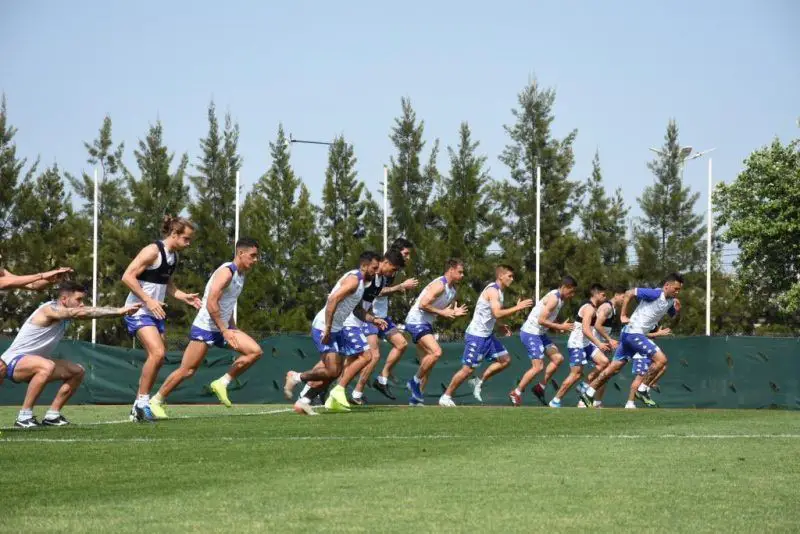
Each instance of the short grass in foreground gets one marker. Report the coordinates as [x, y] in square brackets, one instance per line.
[405, 470]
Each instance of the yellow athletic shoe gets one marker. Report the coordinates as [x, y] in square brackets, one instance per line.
[335, 406]
[340, 395]
[157, 409]
[218, 389]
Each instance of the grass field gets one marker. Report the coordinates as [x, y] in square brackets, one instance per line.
[262, 469]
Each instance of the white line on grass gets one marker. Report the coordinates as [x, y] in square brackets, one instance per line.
[400, 438]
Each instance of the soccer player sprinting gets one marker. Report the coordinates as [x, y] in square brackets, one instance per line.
[641, 364]
[333, 343]
[355, 325]
[480, 341]
[435, 300]
[654, 304]
[149, 278]
[380, 308]
[605, 313]
[582, 342]
[214, 325]
[534, 336]
[27, 359]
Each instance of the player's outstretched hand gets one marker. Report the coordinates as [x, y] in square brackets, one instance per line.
[458, 311]
[605, 347]
[507, 330]
[677, 305]
[614, 344]
[156, 307]
[566, 326]
[523, 304]
[380, 323]
[193, 300]
[411, 283]
[130, 310]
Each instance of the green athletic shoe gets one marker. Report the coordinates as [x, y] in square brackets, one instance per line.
[221, 391]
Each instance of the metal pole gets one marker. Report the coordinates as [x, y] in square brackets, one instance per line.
[538, 225]
[94, 256]
[385, 208]
[236, 235]
[708, 254]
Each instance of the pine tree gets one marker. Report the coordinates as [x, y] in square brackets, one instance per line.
[603, 224]
[532, 144]
[410, 187]
[669, 235]
[213, 207]
[158, 191]
[342, 214]
[11, 171]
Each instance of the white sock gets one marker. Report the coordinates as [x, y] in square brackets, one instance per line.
[416, 379]
[445, 396]
[52, 414]
[142, 401]
[294, 375]
[556, 399]
[518, 392]
[24, 414]
[382, 380]
[630, 403]
[357, 394]
[478, 382]
[590, 391]
[648, 388]
[543, 385]
[305, 390]
[226, 379]
[642, 388]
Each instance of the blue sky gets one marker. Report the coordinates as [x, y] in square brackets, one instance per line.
[728, 71]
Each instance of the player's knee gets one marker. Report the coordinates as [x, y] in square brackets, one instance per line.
[47, 367]
[78, 372]
[188, 372]
[401, 344]
[257, 354]
[157, 355]
[557, 358]
[436, 353]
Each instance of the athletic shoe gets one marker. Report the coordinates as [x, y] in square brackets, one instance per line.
[333, 405]
[340, 395]
[644, 396]
[384, 389]
[476, 391]
[288, 386]
[414, 403]
[630, 405]
[414, 389]
[31, 422]
[586, 398]
[538, 390]
[447, 402]
[581, 404]
[555, 404]
[597, 404]
[221, 391]
[303, 407]
[516, 399]
[360, 401]
[55, 421]
[139, 415]
[157, 409]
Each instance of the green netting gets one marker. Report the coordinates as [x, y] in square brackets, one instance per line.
[704, 372]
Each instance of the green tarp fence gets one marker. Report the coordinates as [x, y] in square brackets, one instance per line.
[704, 372]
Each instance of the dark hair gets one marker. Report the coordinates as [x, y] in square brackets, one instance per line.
[596, 288]
[673, 277]
[400, 243]
[452, 263]
[69, 286]
[503, 267]
[368, 256]
[569, 281]
[395, 258]
[178, 225]
[246, 242]
[618, 289]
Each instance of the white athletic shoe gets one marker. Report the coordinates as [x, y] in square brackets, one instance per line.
[303, 406]
[581, 404]
[447, 402]
[476, 390]
[630, 405]
[289, 385]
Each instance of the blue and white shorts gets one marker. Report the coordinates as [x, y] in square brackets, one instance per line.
[333, 345]
[536, 344]
[582, 356]
[208, 337]
[418, 331]
[641, 365]
[478, 349]
[352, 341]
[372, 330]
[136, 322]
[632, 344]
[11, 364]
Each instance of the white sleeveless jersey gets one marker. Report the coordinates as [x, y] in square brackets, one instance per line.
[417, 315]
[576, 338]
[34, 339]
[483, 321]
[653, 305]
[345, 307]
[532, 325]
[153, 290]
[227, 301]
